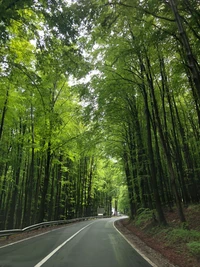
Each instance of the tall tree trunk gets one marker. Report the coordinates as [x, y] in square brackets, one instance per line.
[58, 189]
[164, 141]
[129, 184]
[89, 189]
[51, 202]
[16, 178]
[191, 60]
[43, 204]
[28, 213]
[3, 198]
[153, 175]
[4, 113]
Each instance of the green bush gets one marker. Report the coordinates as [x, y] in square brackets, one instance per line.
[194, 248]
[143, 216]
[183, 235]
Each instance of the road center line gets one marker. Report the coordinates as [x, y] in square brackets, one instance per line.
[59, 247]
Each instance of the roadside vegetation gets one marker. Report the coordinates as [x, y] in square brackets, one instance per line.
[100, 107]
[178, 243]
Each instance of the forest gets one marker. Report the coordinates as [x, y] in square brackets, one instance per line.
[99, 107]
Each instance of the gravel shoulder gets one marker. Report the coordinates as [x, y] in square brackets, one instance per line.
[154, 256]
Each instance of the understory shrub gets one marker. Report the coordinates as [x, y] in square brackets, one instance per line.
[194, 248]
[143, 216]
[183, 235]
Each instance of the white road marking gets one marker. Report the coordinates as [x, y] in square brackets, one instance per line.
[59, 247]
[27, 238]
[139, 252]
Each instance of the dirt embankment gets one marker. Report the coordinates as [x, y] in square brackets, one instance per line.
[166, 246]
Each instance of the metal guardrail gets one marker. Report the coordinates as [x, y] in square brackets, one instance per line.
[44, 224]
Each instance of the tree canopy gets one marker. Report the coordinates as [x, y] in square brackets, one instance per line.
[99, 107]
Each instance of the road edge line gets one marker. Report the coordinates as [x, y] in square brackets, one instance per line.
[134, 247]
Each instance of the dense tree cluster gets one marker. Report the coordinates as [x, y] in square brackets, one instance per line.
[50, 166]
[148, 96]
[132, 115]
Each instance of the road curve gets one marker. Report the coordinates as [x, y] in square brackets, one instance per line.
[84, 244]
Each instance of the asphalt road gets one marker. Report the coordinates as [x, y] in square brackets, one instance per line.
[84, 244]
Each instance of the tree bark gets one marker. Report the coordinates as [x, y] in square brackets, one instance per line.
[191, 60]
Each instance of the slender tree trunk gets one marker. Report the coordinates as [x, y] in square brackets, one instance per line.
[28, 213]
[51, 202]
[164, 141]
[191, 60]
[90, 175]
[159, 209]
[43, 204]
[58, 190]
[16, 178]
[130, 185]
[4, 113]
[3, 198]
[39, 167]
[188, 158]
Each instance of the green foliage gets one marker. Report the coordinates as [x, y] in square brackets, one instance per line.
[182, 235]
[185, 225]
[194, 248]
[74, 148]
[143, 216]
[123, 200]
